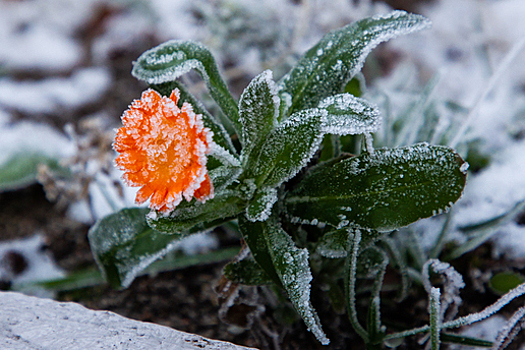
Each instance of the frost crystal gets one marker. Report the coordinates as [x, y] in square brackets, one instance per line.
[261, 206]
[294, 271]
[349, 115]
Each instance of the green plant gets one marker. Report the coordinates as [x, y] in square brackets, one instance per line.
[292, 163]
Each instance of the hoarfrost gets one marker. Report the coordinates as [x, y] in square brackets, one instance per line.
[260, 208]
[294, 271]
[290, 146]
[349, 115]
[258, 111]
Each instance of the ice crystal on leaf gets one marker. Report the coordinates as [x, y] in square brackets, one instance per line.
[163, 150]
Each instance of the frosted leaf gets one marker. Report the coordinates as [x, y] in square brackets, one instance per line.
[174, 58]
[349, 115]
[275, 251]
[223, 176]
[260, 208]
[327, 67]
[289, 147]
[384, 191]
[223, 168]
[258, 112]
[223, 156]
[21, 169]
[197, 216]
[123, 245]
[334, 244]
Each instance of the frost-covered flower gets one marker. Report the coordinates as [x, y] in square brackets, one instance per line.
[163, 148]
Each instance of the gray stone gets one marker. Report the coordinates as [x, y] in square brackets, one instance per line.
[30, 323]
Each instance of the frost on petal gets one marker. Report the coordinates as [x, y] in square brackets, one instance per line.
[163, 149]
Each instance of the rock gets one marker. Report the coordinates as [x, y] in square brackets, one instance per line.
[30, 323]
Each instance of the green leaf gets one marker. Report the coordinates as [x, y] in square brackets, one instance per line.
[220, 135]
[356, 86]
[258, 111]
[21, 170]
[174, 58]
[503, 282]
[382, 191]
[92, 276]
[123, 245]
[334, 244]
[328, 66]
[275, 251]
[260, 207]
[198, 216]
[349, 115]
[247, 272]
[288, 148]
[464, 340]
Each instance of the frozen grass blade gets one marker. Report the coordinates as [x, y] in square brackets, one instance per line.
[502, 68]
[510, 331]
[350, 284]
[481, 232]
[435, 317]
[374, 327]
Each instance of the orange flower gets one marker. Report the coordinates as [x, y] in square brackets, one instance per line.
[163, 148]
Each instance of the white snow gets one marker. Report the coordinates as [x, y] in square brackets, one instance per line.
[54, 94]
[27, 137]
[39, 264]
[39, 35]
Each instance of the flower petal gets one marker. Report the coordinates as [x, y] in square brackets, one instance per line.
[163, 149]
